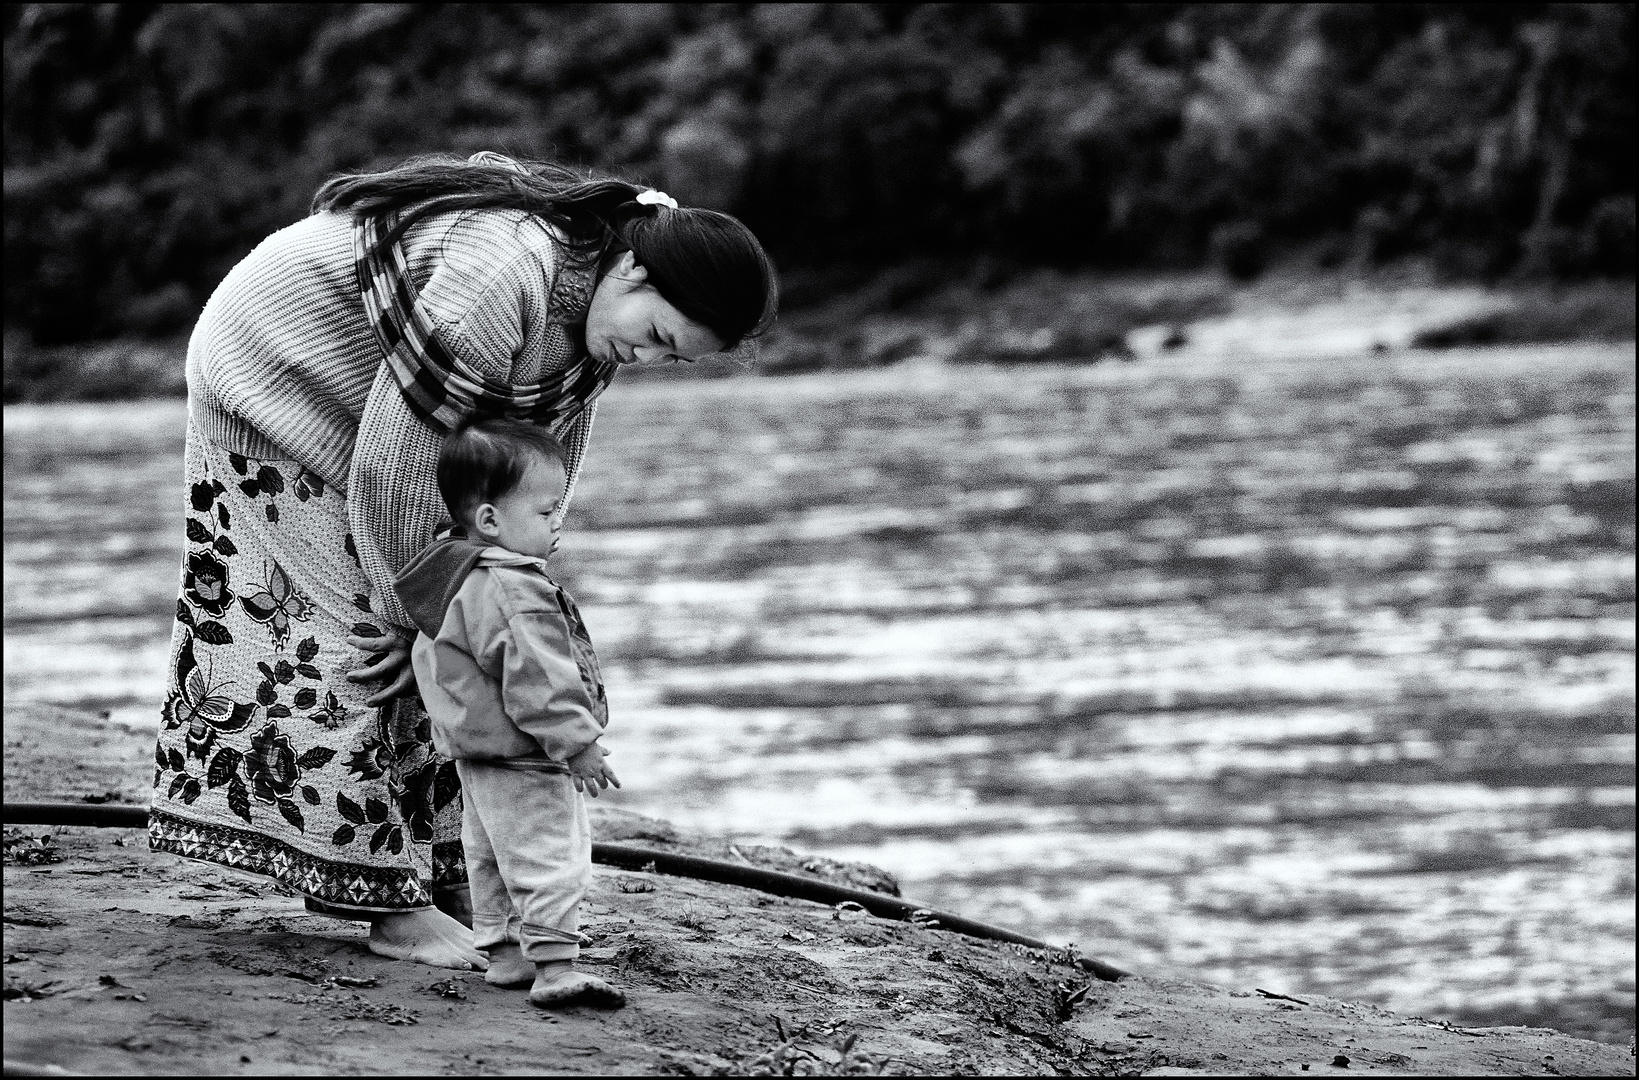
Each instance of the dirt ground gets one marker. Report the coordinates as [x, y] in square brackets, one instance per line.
[121, 961]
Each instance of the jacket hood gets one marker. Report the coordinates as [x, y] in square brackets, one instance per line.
[428, 583]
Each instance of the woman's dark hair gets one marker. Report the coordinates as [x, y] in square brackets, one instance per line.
[704, 263]
[483, 458]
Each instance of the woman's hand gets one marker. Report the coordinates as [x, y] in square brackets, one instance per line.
[392, 662]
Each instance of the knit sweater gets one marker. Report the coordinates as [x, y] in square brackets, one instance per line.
[283, 363]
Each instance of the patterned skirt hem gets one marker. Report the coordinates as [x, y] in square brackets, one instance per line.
[343, 887]
[337, 911]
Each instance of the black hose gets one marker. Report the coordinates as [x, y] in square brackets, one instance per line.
[636, 858]
[66, 813]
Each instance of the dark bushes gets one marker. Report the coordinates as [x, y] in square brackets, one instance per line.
[149, 147]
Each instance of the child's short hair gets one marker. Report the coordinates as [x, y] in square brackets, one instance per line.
[485, 457]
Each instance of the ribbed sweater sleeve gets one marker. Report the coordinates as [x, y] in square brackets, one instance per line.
[393, 504]
[574, 439]
[493, 314]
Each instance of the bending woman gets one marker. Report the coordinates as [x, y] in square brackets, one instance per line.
[322, 376]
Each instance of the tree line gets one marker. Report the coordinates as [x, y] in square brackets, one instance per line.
[148, 147]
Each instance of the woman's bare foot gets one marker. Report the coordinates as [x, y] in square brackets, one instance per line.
[507, 966]
[427, 936]
[457, 904]
[558, 983]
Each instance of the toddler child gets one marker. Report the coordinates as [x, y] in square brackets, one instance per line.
[511, 685]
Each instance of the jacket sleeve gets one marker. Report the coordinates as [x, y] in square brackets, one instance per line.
[543, 689]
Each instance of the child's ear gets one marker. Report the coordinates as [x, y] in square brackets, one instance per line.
[485, 520]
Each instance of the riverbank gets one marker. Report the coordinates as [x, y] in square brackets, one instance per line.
[122, 961]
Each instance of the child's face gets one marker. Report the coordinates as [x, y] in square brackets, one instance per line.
[525, 519]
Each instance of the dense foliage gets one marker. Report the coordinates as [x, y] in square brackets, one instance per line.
[148, 147]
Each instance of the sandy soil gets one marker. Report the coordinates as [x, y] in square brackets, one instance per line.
[121, 961]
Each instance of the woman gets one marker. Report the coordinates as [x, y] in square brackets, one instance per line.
[321, 377]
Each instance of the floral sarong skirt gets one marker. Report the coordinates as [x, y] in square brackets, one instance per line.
[268, 758]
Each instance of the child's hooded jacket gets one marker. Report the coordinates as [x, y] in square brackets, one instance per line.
[503, 660]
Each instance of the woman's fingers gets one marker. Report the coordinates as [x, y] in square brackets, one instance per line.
[373, 644]
[381, 669]
[610, 777]
[390, 654]
[404, 684]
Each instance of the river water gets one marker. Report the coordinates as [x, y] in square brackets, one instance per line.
[1306, 675]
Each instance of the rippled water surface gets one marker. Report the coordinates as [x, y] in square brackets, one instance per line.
[1309, 676]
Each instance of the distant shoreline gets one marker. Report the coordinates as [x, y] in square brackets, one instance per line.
[1044, 317]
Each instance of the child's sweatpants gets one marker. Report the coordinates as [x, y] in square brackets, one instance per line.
[529, 858]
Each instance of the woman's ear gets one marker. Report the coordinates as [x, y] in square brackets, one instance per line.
[485, 521]
[628, 269]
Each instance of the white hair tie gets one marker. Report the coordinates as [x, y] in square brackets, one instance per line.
[654, 198]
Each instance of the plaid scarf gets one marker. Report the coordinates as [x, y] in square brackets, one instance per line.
[438, 387]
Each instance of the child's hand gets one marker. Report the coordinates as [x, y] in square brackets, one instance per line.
[588, 771]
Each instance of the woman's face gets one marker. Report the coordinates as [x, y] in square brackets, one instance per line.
[628, 322]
